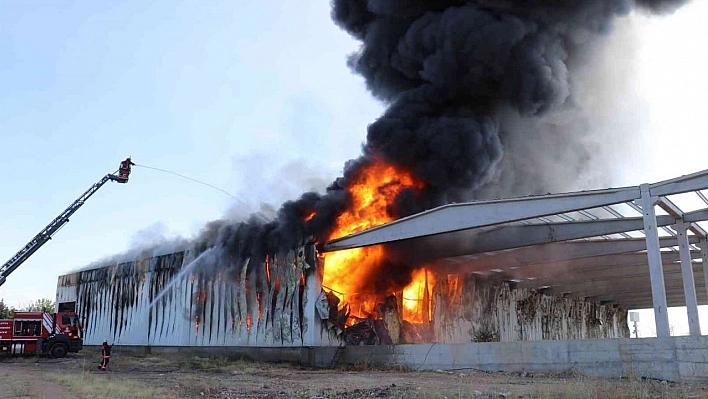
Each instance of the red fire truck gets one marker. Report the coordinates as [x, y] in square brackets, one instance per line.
[58, 333]
[55, 334]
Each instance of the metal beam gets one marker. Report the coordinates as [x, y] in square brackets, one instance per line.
[426, 249]
[693, 182]
[479, 241]
[641, 293]
[560, 274]
[670, 208]
[600, 274]
[689, 285]
[674, 297]
[656, 272]
[454, 217]
[555, 252]
[703, 245]
[696, 216]
[698, 231]
[629, 285]
[557, 268]
[672, 301]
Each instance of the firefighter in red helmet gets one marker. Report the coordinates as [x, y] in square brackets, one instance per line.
[124, 169]
[106, 354]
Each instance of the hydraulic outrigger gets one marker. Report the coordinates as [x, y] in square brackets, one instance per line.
[120, 176]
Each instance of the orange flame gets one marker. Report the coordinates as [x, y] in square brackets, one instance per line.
[417, 304]
[267, 268]
[310, 216]
[373, 191]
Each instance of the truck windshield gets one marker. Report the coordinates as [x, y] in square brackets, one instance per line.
[68, 320]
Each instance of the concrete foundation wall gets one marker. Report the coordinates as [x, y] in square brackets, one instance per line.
[674, 359]
[682, 359]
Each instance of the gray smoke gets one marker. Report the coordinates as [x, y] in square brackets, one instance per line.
[149, 242]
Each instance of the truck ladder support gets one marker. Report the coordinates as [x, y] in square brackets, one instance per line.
[51, 229]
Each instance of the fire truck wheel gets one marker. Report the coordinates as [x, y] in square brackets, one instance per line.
[59, 350]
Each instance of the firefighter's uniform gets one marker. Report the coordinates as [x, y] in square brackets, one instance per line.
[106, 353]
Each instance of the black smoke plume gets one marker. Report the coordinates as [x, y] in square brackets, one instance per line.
[461, 80]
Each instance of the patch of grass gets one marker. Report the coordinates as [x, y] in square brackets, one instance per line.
[15, 389]
[216, 364]
[584, 387]
[576, 387]
[484, 335]
[141, 362]
[195, 386]
[365, 364]
[12, 387]
[230, 376]
[106, 386]
[579, 387]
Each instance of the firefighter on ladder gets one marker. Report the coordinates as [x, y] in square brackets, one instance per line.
[124, 170]
[106, 353]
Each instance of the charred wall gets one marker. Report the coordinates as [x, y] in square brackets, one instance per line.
[161, 301]
[471, 308]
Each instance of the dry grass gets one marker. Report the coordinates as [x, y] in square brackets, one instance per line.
[580, 387]
[181, 376]
[575, 387]
[13, 388]
[105, 386]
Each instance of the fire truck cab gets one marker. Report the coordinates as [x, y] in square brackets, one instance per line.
[55, 334]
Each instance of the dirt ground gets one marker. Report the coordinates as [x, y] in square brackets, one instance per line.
[202, 377]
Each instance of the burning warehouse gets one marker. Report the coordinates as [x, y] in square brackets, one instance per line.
[552, 267]
[411, 244]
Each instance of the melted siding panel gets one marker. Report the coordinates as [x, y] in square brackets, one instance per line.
[120, 303]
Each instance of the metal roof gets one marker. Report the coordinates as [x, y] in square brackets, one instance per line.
[584, 244]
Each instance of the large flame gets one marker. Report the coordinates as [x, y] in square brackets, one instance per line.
[373, 191]
[416, 297]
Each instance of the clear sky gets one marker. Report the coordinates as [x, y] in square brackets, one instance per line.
[252, 96]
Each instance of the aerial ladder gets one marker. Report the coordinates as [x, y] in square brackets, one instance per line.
[120, 176]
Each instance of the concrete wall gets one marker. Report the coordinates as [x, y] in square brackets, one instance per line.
[682, 359]
[674, 359]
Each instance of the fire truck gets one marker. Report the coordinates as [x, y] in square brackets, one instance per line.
[55, 334]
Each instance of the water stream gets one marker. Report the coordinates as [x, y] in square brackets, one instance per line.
[206, 256]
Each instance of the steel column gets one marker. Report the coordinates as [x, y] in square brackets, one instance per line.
[703, 244]
[689, 284]
[656, 270]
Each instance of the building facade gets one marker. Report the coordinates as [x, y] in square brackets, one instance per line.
[176, 300]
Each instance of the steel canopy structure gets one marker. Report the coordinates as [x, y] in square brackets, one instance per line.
[631, 246]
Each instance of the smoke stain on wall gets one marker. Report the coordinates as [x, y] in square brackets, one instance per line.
[126, 303]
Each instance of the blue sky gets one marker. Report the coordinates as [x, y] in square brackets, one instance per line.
[252, 96]
[232, 95]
